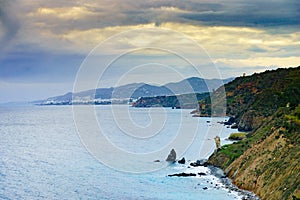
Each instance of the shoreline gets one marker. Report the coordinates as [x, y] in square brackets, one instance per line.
[215, 178]
[219, 173]
[224, 181]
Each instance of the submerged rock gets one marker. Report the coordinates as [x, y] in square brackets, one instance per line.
[183, 174]
[198, 163]
[172, 156]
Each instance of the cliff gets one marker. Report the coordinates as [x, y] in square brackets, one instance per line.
[267, 162]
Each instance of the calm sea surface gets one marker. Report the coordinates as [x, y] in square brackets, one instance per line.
[52, 152]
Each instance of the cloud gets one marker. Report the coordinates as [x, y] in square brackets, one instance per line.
[9, 23]
[70, 13]
[274, 62]
[83, 16]
[38, 67]
[254, 13]
[79, 26]
[48, 40]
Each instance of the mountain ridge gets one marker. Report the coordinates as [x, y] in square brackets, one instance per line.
[137, 90]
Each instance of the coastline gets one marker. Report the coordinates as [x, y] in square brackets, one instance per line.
[203, 168]
[219, 173]
[214, 177]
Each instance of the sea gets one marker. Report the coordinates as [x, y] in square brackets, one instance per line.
[107, 152]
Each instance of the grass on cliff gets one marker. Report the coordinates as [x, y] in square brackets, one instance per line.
[295, 117]
[277, 162]
[284, 117]
[237, 136]
[268, 160]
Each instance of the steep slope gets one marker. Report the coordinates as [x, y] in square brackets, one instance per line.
[253, 98]
[268, 160]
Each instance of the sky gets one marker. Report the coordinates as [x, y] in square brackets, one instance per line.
[47, 47]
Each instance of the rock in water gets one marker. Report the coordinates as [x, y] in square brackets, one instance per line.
[183, 174]
[172, 156]
[182, 161]
[198, 163]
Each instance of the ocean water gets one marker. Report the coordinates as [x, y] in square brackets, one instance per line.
[47, 152]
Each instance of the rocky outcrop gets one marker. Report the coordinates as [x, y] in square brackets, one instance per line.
[181, 161]
[199, 163]
[247, 121]
[230, 121]
[172, 156]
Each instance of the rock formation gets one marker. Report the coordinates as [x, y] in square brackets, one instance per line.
[172, 156]
[218, 142]
[181, 161]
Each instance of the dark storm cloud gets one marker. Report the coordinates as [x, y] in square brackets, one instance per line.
[39, 66]
[225, 13]
[252, 13]
[9, 24]
[110, 13]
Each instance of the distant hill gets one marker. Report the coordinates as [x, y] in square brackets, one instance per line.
[186, 101]
[268, 160]
[137, 90]
[196, 85]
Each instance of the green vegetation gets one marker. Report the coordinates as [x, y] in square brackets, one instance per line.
[295, 117]
[175, 101]
[237, 136]
[260, 94]
[267, 161]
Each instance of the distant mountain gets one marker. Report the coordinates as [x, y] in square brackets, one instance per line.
[196, 85]
[151, 91]
[136, 90]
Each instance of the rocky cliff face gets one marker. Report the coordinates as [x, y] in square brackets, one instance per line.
[268, 161]
[246, 123]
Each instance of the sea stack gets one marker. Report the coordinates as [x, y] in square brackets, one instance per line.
[172, 156]
[218, 142]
